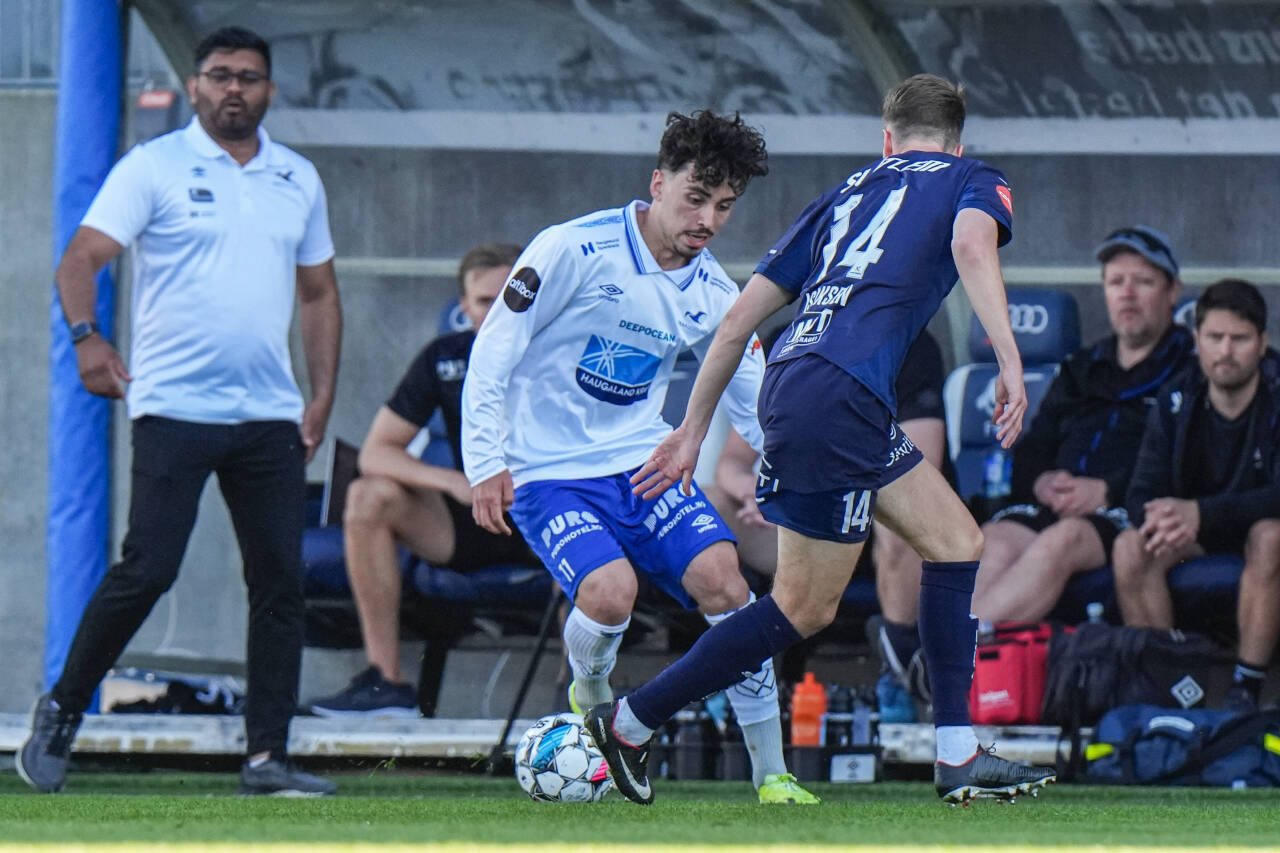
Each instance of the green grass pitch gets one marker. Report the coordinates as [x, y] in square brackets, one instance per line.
[386, 810]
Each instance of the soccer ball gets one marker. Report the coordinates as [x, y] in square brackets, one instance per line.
[556, 762]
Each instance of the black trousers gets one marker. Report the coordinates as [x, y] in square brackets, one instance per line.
[260, 468]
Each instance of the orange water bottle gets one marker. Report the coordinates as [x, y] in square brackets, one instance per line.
[808, 704]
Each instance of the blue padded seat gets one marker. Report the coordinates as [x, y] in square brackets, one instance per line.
[1046, 324]
[1204, 593]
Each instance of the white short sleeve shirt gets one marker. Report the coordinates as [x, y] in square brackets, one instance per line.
[215, 250]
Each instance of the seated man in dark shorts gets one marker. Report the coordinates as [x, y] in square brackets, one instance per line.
[1207, 480]
[400, 500]
[1071, 467]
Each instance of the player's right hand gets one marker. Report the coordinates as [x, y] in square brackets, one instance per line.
[101, 369]
[490, 499]
[1011, 405]
[672, 462]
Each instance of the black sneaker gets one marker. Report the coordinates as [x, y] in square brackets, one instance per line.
[988, 775]
[42, 761]
[906, 664]
[1239, 700]
[276, 778]
[628, 765]
[369, 695]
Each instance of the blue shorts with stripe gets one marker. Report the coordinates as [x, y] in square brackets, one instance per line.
[576, 526]
[829, 446]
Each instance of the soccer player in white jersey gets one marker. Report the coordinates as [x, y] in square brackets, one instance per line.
[563, 402]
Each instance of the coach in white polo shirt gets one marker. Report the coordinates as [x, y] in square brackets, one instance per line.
[225, 226]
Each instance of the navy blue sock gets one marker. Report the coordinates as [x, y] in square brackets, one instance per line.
[948, 635]
[905, 639]
[720, 658]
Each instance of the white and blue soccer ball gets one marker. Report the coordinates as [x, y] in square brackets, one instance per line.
[556, 762]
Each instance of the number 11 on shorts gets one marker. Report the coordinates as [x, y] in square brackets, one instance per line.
[857, 510]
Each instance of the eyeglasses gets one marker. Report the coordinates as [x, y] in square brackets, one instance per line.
[224, 76]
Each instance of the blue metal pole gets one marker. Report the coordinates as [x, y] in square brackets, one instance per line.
[88, 126]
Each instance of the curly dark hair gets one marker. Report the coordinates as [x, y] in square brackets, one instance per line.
[721, 149]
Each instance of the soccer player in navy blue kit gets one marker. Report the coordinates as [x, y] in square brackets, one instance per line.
[870, 262]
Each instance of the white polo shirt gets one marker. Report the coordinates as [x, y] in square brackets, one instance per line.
[570, 369]
[215, 250]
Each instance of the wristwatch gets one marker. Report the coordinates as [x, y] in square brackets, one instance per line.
[82, 330]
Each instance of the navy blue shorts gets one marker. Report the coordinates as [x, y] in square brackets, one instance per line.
[829, 446]
[576, 526]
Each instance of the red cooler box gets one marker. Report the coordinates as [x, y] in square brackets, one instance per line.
[1009, 672]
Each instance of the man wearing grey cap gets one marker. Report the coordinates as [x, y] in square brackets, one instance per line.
[1071, 468]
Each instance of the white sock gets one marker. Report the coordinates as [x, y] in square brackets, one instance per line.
[593, 651]
[956, 744]
[764, 744]
[627, 727]
[755, 704]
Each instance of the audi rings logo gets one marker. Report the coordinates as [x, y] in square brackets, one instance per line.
[1028, 319]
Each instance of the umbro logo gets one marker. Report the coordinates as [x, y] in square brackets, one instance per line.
[611, 292]
[197, 171]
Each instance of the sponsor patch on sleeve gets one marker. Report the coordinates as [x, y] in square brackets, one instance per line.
[1006, 196]
[521, 289]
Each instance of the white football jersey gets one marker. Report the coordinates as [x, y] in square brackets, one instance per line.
[570, 368]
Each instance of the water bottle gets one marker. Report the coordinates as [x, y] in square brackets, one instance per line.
[895, 703]
[687, 746]
[808, 704]
[997, 474]
[839, 720]
[862, 731]
[1093, 611]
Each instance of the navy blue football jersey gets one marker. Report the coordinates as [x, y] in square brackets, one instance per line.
[870, 261]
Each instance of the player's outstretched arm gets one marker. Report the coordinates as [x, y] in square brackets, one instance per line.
[974, 246]
[675, 458]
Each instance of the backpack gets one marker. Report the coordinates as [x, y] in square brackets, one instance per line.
[1100, 667]
[1149, 745]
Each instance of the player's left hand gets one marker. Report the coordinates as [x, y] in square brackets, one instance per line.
[749, 514]
[490, 499]
[672, 462]
[1171, 524]
[314, 420]
[1011, 404]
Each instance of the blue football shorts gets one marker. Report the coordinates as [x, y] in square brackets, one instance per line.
[576, 526]
[829, 446]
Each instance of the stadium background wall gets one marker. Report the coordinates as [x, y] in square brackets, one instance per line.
[433, 203]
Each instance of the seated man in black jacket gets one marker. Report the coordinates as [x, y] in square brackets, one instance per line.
[1070, 469]
[1207, 480]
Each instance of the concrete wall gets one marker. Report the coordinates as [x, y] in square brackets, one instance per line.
[26, 221]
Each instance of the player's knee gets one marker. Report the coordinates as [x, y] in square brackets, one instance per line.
[1128, 559]
[728, 595]
[1262, 548]
[715, 582]
[370, 500]
[607, 597]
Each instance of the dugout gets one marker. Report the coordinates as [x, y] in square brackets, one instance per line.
[436, 128]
